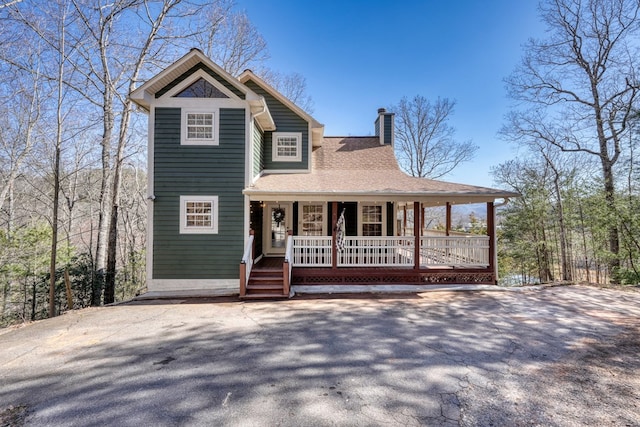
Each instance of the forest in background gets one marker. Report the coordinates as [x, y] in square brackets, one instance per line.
[73, 150]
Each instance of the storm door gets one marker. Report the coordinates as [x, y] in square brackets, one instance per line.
[277, 220]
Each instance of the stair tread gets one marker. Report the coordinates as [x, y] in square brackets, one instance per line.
[265, 278]
[264, 296]
[264, 285]
[266, 273]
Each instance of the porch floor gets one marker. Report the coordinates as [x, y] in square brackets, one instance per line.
[269, 263]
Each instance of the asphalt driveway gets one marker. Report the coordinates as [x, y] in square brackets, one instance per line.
[554, 356]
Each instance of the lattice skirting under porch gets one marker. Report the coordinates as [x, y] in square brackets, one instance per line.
[385, 277]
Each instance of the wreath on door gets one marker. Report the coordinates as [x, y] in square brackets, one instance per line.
[278, 215]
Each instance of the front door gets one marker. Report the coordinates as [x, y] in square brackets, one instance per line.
[278, 218]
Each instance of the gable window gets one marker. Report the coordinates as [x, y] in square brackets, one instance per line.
[312, 221]
[201, 89]
[287, 146]
[198, 214]
[198, 128]
[372, 220]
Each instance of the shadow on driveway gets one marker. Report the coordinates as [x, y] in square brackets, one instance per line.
[466, 358]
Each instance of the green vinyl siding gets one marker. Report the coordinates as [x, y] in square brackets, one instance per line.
[388, 128]
[198, 170]
[286, 120]
[190, 71]
[258, 150]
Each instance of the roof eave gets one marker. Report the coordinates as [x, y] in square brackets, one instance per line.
[145, 94]
[402, 196]
[249, 75]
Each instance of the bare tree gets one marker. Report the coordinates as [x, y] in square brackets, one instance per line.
[293, 86]
[19, 115]
[580, 85]
[231, 40]
[425, 141]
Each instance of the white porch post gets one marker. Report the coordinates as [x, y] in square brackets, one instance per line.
[491, 231]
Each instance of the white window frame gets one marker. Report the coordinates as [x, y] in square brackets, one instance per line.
[274, 143]
[301, 221]
[383, 211]
[186, 229]
[184, 138]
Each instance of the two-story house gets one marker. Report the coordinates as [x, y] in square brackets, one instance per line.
[247, 196]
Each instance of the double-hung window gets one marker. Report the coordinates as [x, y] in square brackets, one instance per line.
[372, 220]
[198, 128]
[313, 220]
[287, 146]
[198, 214]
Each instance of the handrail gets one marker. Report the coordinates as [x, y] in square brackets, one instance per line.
[246, 264]
[287, 266]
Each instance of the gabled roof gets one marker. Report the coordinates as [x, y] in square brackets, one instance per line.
[359, 168]
[317, 128]
[144, 95]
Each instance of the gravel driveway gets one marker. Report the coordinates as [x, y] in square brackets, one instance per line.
[555, 356]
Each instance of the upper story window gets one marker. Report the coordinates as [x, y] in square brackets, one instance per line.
[198, 214]
[287, 146]
[198, 128]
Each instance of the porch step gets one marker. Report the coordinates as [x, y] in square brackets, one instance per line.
[265, 284]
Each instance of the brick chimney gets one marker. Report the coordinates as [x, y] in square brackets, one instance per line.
[384, 125]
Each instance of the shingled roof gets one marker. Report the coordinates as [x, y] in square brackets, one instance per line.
[360, 168]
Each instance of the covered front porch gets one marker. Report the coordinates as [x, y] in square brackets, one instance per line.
[405, 251]
[413, 255]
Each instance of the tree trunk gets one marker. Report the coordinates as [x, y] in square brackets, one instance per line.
[613, 232]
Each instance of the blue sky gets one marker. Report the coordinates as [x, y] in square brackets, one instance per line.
[358, 56]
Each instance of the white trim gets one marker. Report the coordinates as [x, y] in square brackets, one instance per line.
[150, 193]
[248, 75]
[281, 171]
[274, 147]
[315, 136]
[213, 229]
[184, 138]
[266, 226]
[247, 220]
[248, 143]
[144, 94]
[380, 197]
[205, 103]
[232, 286]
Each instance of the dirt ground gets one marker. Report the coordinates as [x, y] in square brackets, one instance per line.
[597, 384]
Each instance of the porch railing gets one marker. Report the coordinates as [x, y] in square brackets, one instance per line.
[376, 252]
[312, 251]
[454, 251]
[435, 251]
